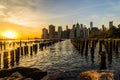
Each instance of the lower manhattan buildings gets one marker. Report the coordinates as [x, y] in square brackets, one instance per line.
[78, 31]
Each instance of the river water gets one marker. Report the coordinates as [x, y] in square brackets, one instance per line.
[63, 56]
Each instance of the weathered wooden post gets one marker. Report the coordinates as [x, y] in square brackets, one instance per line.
[86, 47]
[17, 56]
[4, 45]
[106, 45]
[5, 60]
[102, 61]
[31, 50]
[78, 45]
[116, 47]
[26, 50]
[100, 46]
[36, 48]
[1, 45]
[12, 58]
[20, 43]
[110, 52]
[21, 51]
[82, 46]
[92, 51]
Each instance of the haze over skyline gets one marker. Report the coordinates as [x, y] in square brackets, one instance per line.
[30, 16]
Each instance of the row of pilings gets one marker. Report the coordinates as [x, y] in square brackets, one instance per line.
[105, 47]
[11, 52]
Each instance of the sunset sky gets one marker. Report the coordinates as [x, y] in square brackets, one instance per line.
[28, 17]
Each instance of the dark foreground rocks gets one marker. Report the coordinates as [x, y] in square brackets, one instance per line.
[23, 73]
[87, 75]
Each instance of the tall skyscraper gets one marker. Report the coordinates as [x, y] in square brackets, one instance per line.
[81, 26]
[45, 33]
[71, 35]
[91, 25]
[110, 24]
[74, 30]
[67, 32]
[77, 30]
[66, 27]
[59, 32]
[51, 31]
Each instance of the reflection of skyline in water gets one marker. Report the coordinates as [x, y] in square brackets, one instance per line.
[61, 56]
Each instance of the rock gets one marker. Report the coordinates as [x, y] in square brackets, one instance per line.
[28, 79]
[17, 75]
[24, 70]
[106, 75]
[10, 78]
[5, 73]
[89, 75]
[61, 76]
[36, 75]
[97, 75]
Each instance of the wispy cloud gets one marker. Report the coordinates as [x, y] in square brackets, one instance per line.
[41, 12]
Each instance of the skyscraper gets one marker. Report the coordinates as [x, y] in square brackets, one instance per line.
[71, 35]
[45, 33]
[67, 32]
[59, 32]
[51, 31]
[91, 25]
[77, 30]
[110, 24]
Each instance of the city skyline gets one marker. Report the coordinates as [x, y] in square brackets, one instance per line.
[28, 17]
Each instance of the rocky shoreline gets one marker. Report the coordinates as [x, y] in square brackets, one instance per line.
[25, 73]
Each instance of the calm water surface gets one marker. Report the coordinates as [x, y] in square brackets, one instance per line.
[63, 56]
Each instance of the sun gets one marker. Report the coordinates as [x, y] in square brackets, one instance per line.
[9, 34]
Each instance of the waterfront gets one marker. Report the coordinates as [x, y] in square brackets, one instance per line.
[63, 56]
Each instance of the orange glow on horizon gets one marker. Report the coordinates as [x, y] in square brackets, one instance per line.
[10, 34]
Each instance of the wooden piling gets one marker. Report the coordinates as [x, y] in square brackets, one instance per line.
[92, 51]
[116, 46]
[86, 47]
[21, 48]
[110, 52]
[100, 46]
[12, 58]
[31, 50]
[4, 45]
[82, 46]
[5, 60]
[102, 60]
[17, 56]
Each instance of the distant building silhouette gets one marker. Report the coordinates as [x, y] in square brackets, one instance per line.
[67, 32]
[73, 27]
[85, 32]
[45, 33]
[72, 36]
[59, 32]
[95, 30]
[110, 24]
[51, 31]
[103, 28]
[91, 25]
[77, 31]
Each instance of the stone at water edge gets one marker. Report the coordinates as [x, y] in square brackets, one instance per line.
[61, 76]
[17, 74]
[24, 71]
[36, 75]
[89, 75]
[97, 75]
